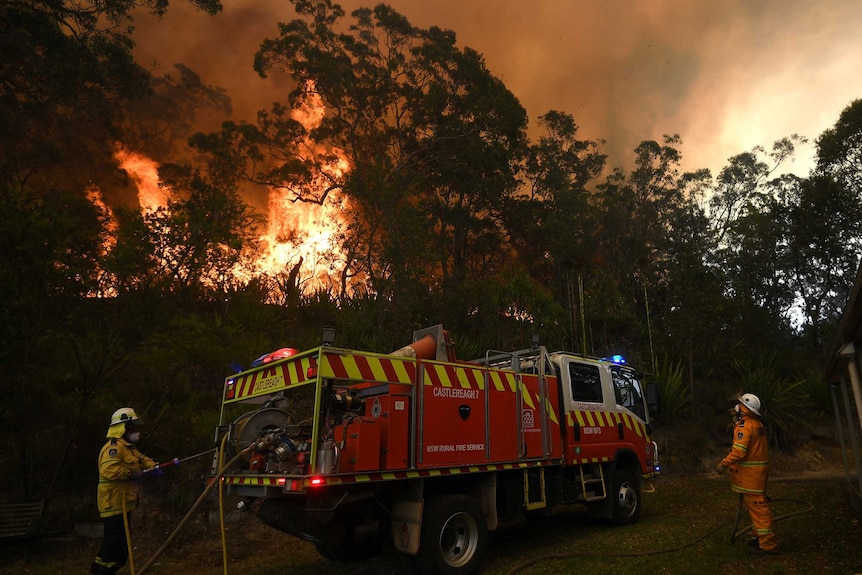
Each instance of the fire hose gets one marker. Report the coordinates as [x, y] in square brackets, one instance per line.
[739, 510]
[215, 481]
[152, 470]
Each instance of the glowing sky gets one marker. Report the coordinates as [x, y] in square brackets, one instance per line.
[725, 75]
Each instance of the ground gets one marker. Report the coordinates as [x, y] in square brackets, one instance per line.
[685, 528]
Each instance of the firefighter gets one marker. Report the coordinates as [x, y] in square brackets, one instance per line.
[748, 462]
[120, 467]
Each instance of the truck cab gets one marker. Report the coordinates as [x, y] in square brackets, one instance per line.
[607, 406]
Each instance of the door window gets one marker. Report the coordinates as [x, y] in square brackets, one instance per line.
[586, 385]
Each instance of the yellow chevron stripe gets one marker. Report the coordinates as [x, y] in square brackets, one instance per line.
[496, 380]
[511, 381]
[550, 409]
[377, 369]
[528, 399]
[580, 416]
[441, 375]
[477, 375]
[591, 420]
[324, 368]
[350, 367]
[401, 371]
[461, 374]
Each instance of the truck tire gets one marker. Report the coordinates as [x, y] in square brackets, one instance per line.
[454, 537]
[626, 494]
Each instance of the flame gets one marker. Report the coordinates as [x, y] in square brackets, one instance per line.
[311, 114]
[145, 173]
[94, 195]
[303, 230]
[295, 231]
[299, 232]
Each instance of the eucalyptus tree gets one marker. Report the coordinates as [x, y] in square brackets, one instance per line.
[66, 67]
[551, 221]
[54, 353]
[751, 227]
[633, 223]
[431, 141]
[834, 196]
[200, 245]
[839, 148]
[823, 253]
[687, 304]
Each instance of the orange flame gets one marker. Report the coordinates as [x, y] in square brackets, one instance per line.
[94, 194]
[294, 230]
[145, 173]
[301, 230]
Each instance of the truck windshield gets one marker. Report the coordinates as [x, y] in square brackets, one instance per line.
[628, 391]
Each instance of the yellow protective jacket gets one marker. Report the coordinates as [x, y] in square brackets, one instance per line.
[748, 459]
[117, 460]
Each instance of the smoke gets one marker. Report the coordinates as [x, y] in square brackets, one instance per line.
[725, 76]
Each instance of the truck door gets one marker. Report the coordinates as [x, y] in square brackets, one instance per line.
[591, 421]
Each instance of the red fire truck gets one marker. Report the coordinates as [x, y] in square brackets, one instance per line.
[355, 451]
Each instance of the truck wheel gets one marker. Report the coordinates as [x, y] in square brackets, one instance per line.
[454, 537]
[626, 492]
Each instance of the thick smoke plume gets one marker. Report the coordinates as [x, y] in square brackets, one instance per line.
[725, 76]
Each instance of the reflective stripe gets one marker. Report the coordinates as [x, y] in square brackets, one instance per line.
[741, 489]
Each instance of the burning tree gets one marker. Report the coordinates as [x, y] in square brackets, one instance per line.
[432, 140]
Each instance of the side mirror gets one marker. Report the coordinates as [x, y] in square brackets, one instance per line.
[653, 394]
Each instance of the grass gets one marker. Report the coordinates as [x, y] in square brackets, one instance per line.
[685, 528]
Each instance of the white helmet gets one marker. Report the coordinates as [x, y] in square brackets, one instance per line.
[751, 401]
[123, 415]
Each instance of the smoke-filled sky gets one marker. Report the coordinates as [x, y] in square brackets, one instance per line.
[725, 76]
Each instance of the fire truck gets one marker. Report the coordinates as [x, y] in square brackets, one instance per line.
[357, 451]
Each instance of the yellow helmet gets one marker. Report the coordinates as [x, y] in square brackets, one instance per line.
[123, 415]
[119, 420]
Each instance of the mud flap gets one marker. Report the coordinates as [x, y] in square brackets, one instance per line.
[406, 520]
[407, 526]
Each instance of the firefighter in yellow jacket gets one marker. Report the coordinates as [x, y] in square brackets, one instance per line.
[748, 462]
[120, 467]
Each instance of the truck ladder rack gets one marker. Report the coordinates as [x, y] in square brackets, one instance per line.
[593, 480]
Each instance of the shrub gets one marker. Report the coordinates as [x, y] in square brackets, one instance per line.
[784, 401]
[675, 397]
